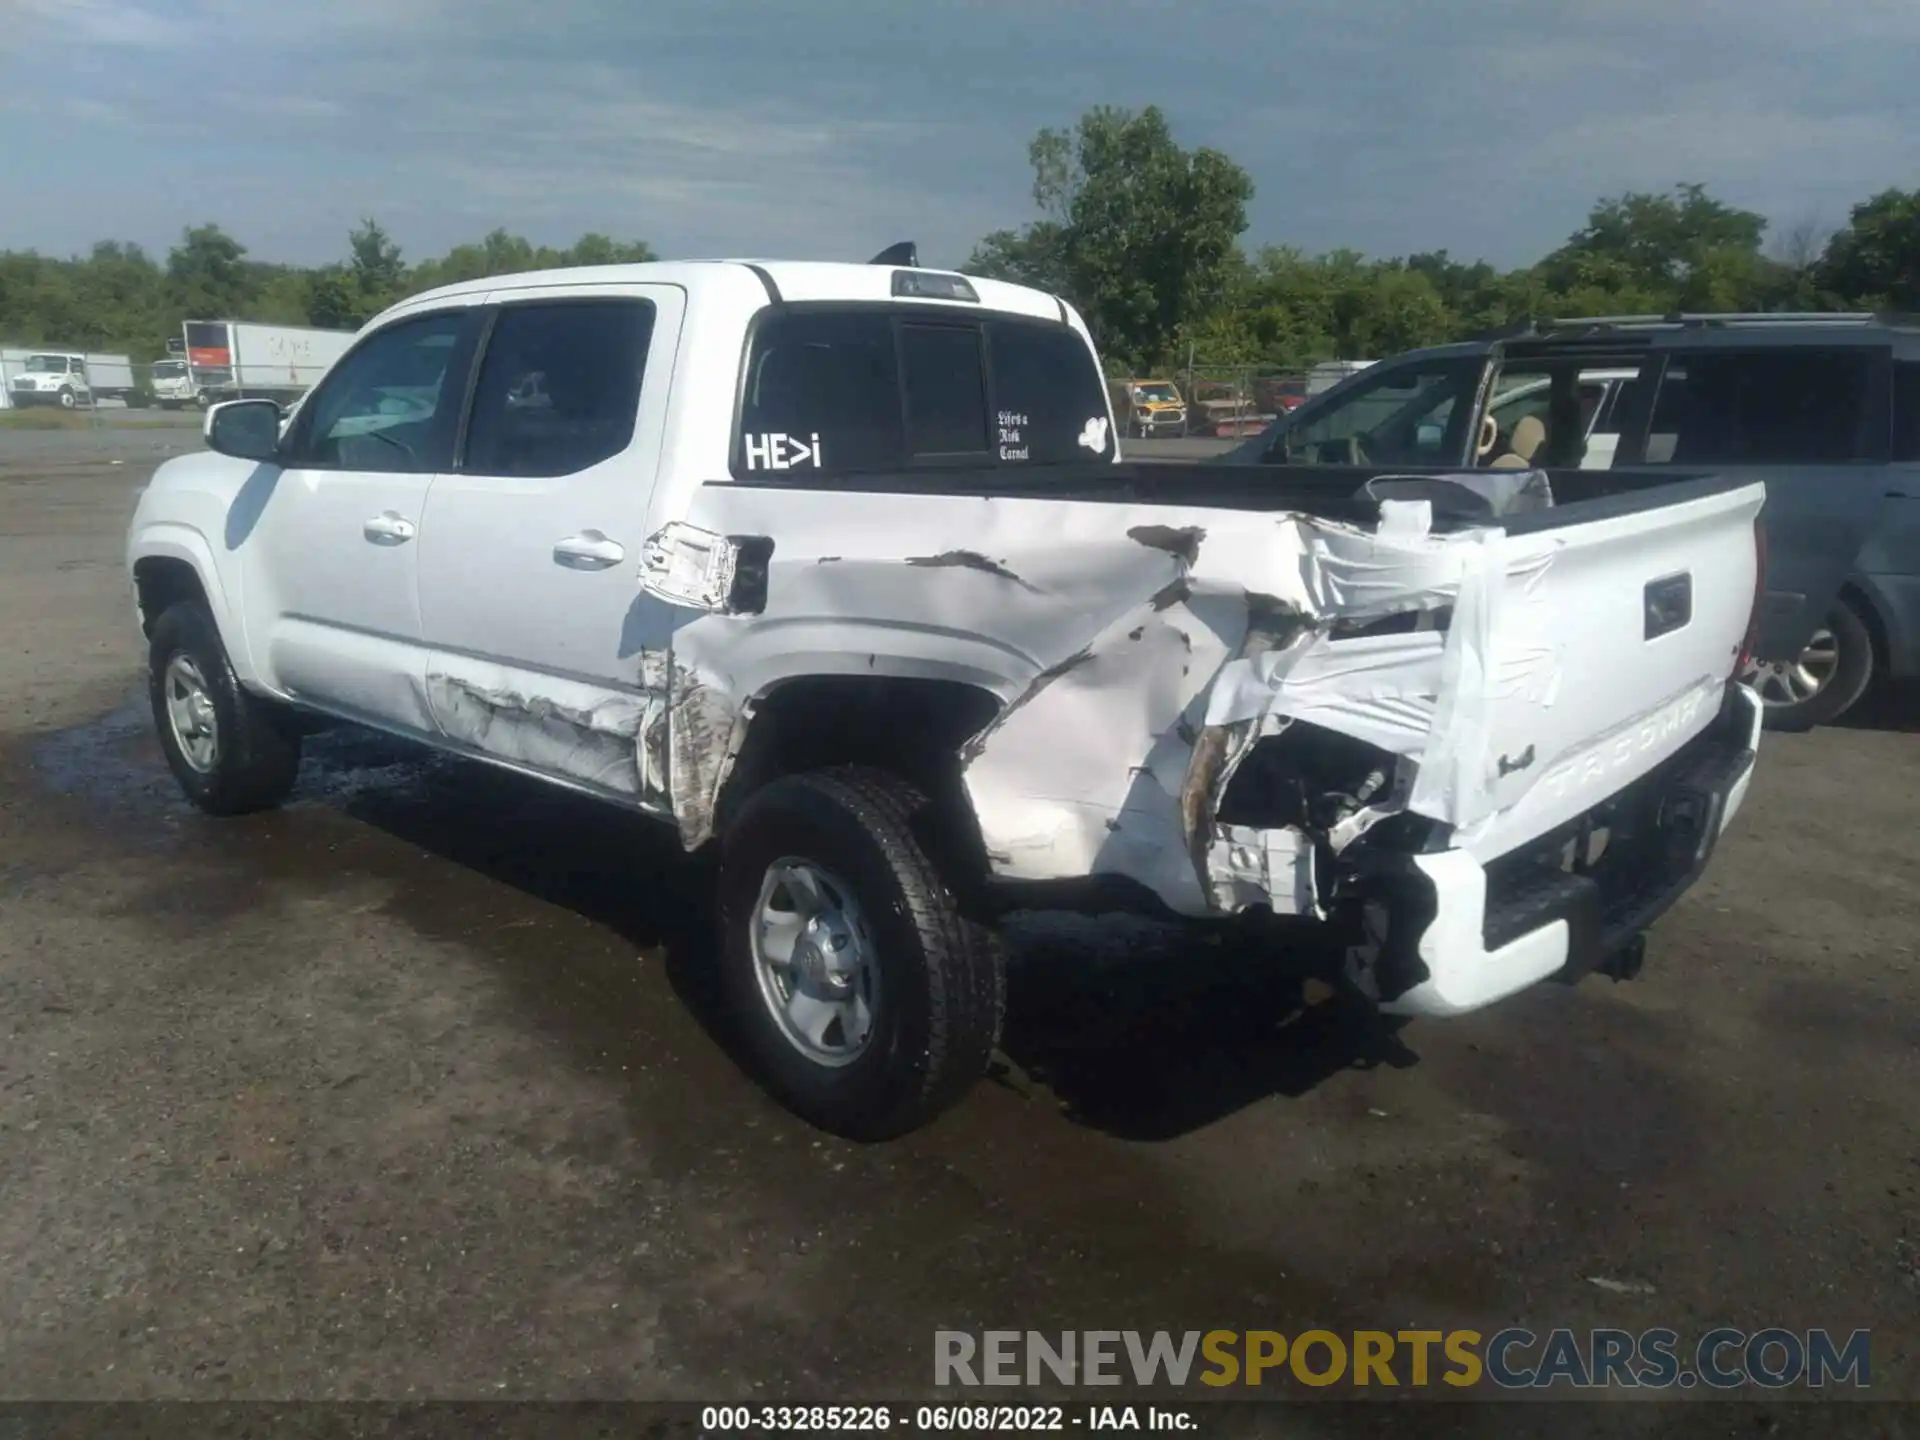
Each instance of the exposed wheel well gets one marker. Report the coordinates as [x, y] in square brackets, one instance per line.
[159, 582]
[912, 727]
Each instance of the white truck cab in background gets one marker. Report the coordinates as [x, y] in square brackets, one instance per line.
[69, 379]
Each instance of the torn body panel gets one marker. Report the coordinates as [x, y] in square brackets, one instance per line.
[607, 740]
[1468, 696]
[1143, 653]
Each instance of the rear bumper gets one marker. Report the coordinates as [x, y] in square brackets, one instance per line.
[1459, 934]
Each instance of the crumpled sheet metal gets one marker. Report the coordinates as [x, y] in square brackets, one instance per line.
[1104, 766]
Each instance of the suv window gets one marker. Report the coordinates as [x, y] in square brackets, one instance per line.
[559, 386]
[822, 393]
[392, 403]
[1906, 410]
[1049, 404]
[1785, 407]
[1398, 415]
[1560, 398]
[842, 392]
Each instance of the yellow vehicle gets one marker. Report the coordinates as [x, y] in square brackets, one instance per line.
[1143, 408]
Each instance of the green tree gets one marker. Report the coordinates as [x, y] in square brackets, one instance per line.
[375, 267]
[1680, 250]
[1874, 262]
[1136, 230]
[1035, 255]
[206, 274]
[333, 300]
[596, 249]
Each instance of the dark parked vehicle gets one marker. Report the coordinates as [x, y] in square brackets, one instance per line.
[1824, 408]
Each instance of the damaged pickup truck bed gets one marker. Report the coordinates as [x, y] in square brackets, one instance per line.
[838, 570]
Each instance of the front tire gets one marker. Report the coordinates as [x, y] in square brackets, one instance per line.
[68, 400]
[227, 748]
[1824, 681]
[866, 1000]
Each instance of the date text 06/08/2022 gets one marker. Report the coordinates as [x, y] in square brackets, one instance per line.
[944, 1419]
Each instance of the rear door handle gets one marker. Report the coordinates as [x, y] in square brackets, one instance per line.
[589, 550]
[388, 528]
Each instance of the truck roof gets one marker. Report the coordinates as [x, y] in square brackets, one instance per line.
[779, 280]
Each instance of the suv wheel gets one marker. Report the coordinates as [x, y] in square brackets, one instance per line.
[1824, 681]
[866, 1000]
[228, 749]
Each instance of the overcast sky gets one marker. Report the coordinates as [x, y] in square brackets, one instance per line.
[829, 128]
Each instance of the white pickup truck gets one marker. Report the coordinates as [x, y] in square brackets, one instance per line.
[837, 569]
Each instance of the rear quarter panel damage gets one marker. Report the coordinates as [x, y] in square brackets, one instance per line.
[1140, 653]
[1136, 650]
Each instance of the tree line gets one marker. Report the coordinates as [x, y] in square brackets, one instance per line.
[119, 298]
[1142, 234]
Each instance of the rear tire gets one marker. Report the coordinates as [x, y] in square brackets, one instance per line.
[919, 988]
[1839, 658]
[230, 750]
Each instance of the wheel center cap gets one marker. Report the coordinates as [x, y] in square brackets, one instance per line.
[825, 954]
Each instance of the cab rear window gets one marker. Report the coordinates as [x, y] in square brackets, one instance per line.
[855, 391]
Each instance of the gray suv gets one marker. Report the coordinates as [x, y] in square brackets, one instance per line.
[1824, 408]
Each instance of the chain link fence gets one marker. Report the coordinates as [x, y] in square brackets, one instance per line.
[1233, 400]
[1212, 400]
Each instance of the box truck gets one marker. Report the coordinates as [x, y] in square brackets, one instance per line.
[71, 379]
[234, 359]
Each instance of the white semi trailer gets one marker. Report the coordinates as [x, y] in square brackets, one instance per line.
[235, 359]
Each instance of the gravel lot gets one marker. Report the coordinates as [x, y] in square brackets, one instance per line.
[407, 1090]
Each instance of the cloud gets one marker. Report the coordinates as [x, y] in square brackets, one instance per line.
[830, 127]
[114, 23]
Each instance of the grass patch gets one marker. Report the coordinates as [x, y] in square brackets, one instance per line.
[44, 419]
[49, 418]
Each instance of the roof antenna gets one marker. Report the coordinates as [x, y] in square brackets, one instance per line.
[905, 253]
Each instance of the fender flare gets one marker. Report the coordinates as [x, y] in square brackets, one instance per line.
[171, 540]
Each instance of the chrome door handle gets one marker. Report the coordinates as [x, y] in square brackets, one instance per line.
[589, 550]
[387, 528]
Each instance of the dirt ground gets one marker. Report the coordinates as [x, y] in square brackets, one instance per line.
[412, 1090]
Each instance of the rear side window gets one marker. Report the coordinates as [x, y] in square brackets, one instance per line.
[1050, 407]
[822, 394]
[1906, 410]
[559, 386]
[1785, 407]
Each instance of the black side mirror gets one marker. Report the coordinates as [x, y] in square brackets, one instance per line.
[244, 429]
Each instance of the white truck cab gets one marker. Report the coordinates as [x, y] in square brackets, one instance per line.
[835, 570]
[52, 378]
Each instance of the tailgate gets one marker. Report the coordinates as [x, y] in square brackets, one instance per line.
[1595, 640]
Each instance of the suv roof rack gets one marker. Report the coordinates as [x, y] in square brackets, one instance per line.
[1739, 319]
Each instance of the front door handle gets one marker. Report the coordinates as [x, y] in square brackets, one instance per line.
[589, 550]
[387, 528]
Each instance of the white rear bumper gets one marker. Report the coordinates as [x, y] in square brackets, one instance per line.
[1577, 931]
